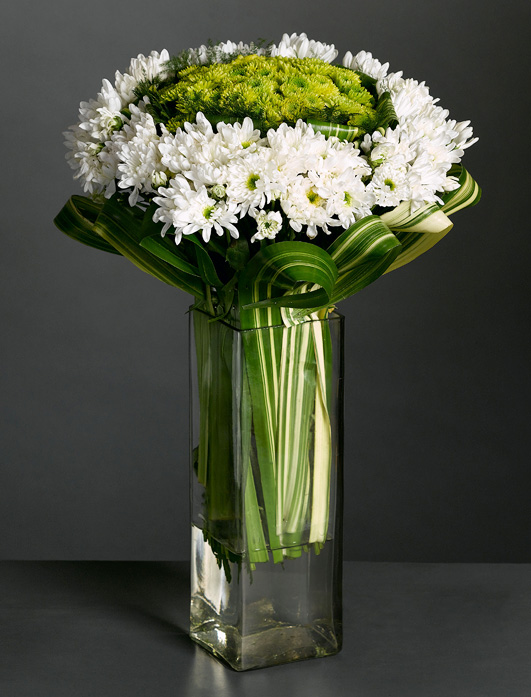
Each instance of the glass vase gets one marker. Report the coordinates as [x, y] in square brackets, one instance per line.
[266, 489]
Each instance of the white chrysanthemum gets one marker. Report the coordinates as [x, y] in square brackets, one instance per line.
[189, 210]
[252, 180]
[382, 146]
[410, 98]
[141, 68]
[94, 164]
[299, 46]
[365, 63]
[337, 158]
[303, 206]
[295, 139]
[171, 156]
[201, 131]
[196, 151]
[421, 149]
[392, 81]
[389, 183]
[93, 147]
[101, 116]
[240, 136]
[269, 224]
[198, 56]
[349, 200]
[424, 180]
[337, 179]
[463, 138]
[295, 148]
[140, 167]
[220, 52]
[322, 178]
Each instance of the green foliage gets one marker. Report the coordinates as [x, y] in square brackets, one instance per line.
[269, 90]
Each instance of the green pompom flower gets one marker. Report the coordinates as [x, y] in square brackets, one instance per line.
[271, 90]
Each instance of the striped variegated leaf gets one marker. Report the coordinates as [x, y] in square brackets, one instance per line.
[278, 268]
[121, 228]
[275, 357]
[262, 349]
[322, 442]
[297, 384]
[367, 81]
[468, 193]
[76, 219]
[286, 398]
[385, 112]
[417, 232]
[362, 253]
[342, 132]
[424, 228]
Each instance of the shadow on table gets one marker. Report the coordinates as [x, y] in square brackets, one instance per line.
[154, 593]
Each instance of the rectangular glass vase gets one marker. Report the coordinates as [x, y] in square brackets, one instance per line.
[266, 489]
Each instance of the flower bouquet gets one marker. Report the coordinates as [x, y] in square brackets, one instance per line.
[270, 184]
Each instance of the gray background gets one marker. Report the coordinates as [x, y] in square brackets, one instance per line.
[94, 406]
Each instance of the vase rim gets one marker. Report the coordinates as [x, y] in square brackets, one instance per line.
[333, 316]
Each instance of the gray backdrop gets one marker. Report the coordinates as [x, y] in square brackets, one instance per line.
[94, 440]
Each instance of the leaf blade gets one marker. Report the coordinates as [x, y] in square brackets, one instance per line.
[468, 194]
[362, 253]
[76, 220]
[281, 267]
[120, 227]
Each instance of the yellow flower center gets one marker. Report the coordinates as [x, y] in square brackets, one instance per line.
[313, 197]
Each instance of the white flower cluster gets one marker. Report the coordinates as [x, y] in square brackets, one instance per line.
[411, 161]
[205, 180]
[218, 177]
[93, 151]
[294, 46]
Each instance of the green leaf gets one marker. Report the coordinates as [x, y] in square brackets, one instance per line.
[121, 228]
[296, 298]
[468, 193]
[362, 253]
[296, 405]
[342, 132]
[428, 218]
[322, 439]
[214, 119]
[418, 232]
[280, 267]
[207, 270]
[165, 248]
[238, 253]
[76, 219]
[385, 112]
[367, 81]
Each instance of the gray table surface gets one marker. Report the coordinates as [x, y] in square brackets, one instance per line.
[98, 629]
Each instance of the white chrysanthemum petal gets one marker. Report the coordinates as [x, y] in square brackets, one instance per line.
[365, 63]
[269, 224]
[137, 147]
[299, 46]
[94, 162]
[253, 180]
[189, 209]
[389, 183]
[141, 68]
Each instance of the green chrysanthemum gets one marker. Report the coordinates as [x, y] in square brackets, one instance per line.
[269, 90]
